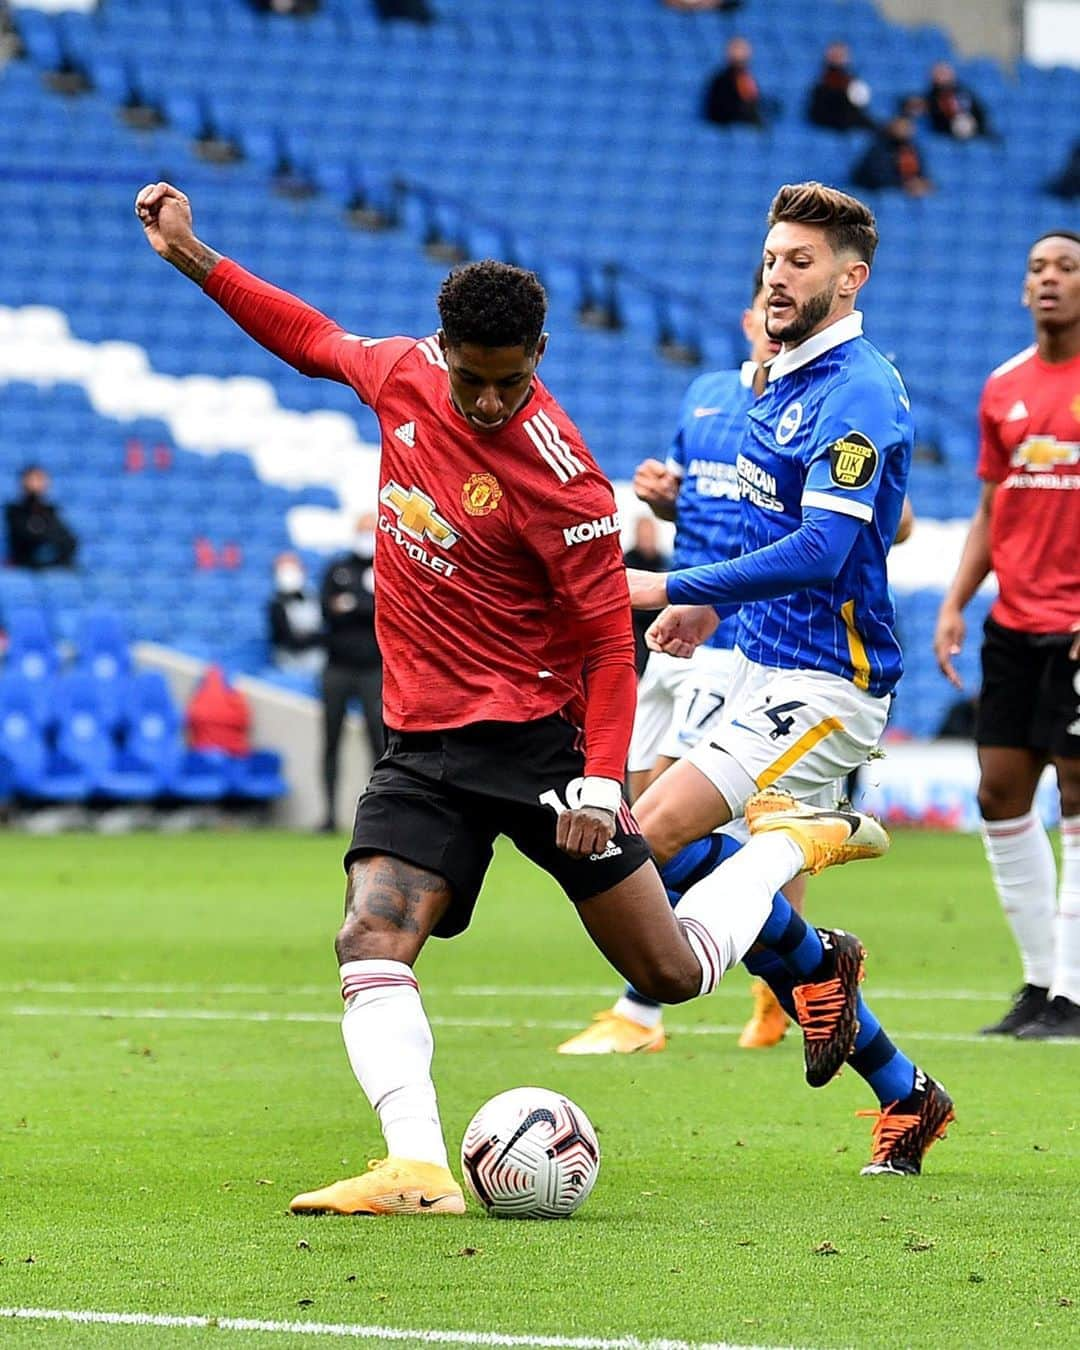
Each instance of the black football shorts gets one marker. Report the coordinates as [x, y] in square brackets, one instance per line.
[1030, 697]
[439, 799]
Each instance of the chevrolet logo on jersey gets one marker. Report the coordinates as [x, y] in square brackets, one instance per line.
[852, 460]
[1040, 453]
[417, 516]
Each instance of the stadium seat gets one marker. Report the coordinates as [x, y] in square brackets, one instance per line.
[31, 651]
[36, 772]
[102, 646]
[619, 172]
[257, 777]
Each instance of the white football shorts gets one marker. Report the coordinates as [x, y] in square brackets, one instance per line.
[678, 701]
[801, 730]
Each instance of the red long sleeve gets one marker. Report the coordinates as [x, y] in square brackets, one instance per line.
[279, 321]
[610, 692]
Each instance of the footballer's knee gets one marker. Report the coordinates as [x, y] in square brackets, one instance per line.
[1002, 799]
[391, 907]
[670, 982]
[358, 939]
[1068, 775]
[663, 830]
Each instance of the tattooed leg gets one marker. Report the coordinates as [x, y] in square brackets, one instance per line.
[391, 907]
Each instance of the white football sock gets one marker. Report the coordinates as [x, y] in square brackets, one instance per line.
[723, 913]
[389, 1044]
[646, 1015]
[1022, 863]
[1067, 924]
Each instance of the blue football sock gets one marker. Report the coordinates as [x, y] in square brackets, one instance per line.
[887, 1070]
[694, 862]
[768, 967]
[790, 953]
[787, 935]
[679, 873]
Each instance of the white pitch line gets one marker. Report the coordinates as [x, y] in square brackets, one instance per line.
[731, 989]
[452, 1023]
[363, 1333]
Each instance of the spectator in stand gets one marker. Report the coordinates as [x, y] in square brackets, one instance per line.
[1067, 183]
[700, 6]
[296, 623]
[353, 660]
[839, 100]
[36, 534]
[647, 555]
[732, 94]
[893, 160]
[416, 11]
[286, 6]
[953, 109]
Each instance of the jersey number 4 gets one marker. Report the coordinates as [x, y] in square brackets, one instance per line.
[781, 724]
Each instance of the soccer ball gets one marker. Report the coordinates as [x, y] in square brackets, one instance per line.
[530, 1154]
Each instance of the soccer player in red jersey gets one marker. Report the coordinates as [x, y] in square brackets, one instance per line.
[1026, 530]
[502, 612]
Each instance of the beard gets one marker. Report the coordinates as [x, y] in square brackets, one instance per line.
[805, 320]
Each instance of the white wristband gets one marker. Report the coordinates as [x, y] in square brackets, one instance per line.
[605, 793]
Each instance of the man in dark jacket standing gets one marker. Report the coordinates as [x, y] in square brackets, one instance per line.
[36, 534]
[353, 661]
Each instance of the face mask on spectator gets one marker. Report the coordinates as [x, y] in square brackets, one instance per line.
[289, 578]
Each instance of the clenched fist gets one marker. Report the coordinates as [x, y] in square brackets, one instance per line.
[165, 213]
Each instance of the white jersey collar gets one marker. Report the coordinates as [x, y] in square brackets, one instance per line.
[747, 371]
[843, 330]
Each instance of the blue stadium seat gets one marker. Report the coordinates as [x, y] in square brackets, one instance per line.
[102, 646]
[619, 171]
[257, 777]
[31, 650]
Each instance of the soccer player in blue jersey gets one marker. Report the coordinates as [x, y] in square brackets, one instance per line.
[822, 474]
[680, 700]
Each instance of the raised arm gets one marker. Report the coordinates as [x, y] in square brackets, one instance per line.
[277, 320]
[166, 220]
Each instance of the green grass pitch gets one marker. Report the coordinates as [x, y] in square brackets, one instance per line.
[172, 1073]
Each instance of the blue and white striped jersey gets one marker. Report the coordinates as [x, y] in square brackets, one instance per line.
[704, 451]
[833, 430]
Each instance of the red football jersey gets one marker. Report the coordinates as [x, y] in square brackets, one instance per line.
[495, 551]
[1030, 446]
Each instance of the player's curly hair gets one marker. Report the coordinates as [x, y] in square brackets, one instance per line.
[492, 304]
[848, 223]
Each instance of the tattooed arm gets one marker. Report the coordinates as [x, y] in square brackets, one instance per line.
[166, 217]
[282, 323]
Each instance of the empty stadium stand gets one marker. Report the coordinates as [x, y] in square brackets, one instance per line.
[573, 145]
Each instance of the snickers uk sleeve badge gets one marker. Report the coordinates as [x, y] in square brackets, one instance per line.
[853, 460]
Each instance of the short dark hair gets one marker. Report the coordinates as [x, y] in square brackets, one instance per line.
[848, 223]
[759, 281]
[492, 304]
[1058, 234]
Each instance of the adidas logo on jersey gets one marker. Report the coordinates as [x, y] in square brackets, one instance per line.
[1018, 410]
[406, 433]
[591, 529]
